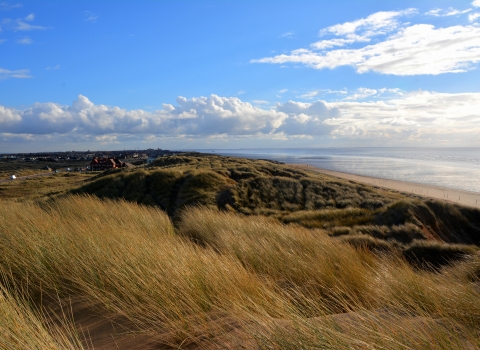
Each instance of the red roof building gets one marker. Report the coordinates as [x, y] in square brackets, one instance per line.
[106, 163]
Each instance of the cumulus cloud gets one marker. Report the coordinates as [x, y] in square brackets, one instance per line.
[198, 117]
[403, 49]
[398, 119]
[409, 115]
[473, 16]
[306, 118]
[476, 3]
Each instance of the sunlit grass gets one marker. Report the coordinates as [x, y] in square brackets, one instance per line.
[220, 278]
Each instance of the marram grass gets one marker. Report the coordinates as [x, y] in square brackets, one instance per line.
[226, 281]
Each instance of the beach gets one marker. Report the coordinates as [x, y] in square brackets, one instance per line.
[471, 199]
[452, 168]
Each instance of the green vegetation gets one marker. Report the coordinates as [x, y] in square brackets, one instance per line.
[290, 195]
[42, 187]
[24, 168]
[38, 187]
[216, 252]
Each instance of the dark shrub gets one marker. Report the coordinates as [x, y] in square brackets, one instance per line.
[427, 254]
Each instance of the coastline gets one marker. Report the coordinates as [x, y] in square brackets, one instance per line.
[466, 198]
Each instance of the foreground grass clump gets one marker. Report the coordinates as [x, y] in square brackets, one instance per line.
[226, 281]
[127, 258]
[22, 328]
[318, 275]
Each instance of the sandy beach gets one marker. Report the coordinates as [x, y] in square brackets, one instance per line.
[471, 199]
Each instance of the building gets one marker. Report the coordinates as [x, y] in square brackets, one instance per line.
[106, 163]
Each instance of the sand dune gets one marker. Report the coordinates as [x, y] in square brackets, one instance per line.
[471, 199]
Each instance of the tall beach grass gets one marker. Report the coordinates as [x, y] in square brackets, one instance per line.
[224, 280]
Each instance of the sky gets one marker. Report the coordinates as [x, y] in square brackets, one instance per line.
[194, 74]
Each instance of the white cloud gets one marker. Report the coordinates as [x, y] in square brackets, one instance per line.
[21, 24]
[327, 44]
[476, 3]
[55, 67]
[306, 118]
[473, 16]
[434, 12]
[446, 13]
[363, 29]
[5, 6]
[106, 139]
[401, 119]
[417, 49]
[289, 35]
[90, 16]
[454, 12]
[25, 41]
[310, 95]
[20, 74]
[283, 91]
[415, 114]
[361, 93]
[260, 102]
[335, 92]
[196, 117]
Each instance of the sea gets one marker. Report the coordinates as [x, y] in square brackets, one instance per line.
[456, 168]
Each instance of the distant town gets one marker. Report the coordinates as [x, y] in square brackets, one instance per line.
[87, 160]
[88, 155]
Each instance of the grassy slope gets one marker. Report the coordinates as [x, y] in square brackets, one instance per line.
[22, 168]
[42, 188]
[217, 279]
[363, 215]
[225, 280]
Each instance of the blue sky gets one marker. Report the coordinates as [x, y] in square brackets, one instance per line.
[227, 74]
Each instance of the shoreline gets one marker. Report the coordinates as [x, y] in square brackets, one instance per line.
[466, 198]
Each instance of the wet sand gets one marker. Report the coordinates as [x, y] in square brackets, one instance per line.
[471, 199]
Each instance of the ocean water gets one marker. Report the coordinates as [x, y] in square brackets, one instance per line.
[457, 168]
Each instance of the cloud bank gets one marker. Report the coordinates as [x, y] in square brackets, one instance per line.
[397, 49]
[390, 116]
[195, 117]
